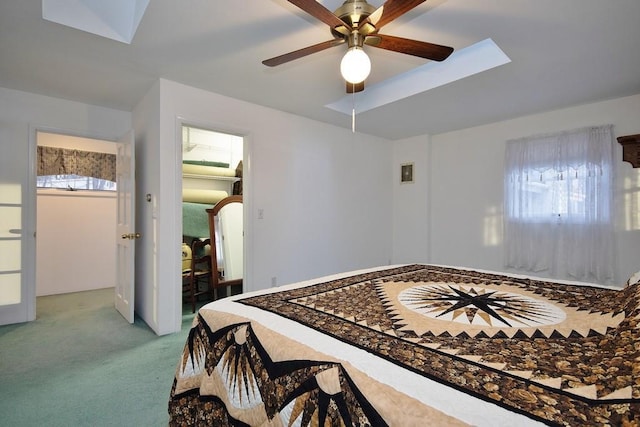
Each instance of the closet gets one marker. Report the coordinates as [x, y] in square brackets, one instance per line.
[211, 172]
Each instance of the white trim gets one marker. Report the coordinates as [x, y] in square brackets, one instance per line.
[61, 192]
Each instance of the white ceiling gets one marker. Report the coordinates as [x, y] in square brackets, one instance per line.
[563, 53]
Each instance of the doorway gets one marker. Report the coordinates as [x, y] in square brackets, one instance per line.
[76, 220]
[212, 169]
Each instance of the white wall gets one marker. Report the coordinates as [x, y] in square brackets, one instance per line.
[324, 192]
[146, 125]
[21, 113]
[76, 247]
[466, 192]
[411, 202]
[75, 142]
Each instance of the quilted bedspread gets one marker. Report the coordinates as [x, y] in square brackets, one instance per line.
[543, 352]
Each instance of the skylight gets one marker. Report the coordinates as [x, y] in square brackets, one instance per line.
[462, 63]
[114, 19]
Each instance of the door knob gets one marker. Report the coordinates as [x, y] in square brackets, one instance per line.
[131, 236]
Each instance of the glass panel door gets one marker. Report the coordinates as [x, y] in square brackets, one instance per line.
[11, 253]
[17, 224]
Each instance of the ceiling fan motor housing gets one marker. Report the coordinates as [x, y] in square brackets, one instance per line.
[353, 12]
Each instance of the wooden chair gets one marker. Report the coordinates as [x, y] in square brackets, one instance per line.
[198, 274]
[230, 240]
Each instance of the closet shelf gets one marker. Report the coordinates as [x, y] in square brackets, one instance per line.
[211, 177]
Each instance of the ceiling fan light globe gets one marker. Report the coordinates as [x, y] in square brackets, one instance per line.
[355, 65]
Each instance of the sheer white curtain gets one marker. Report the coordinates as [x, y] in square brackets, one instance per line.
[558, 204]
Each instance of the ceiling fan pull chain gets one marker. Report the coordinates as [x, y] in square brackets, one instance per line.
[353, 111]
[353, 120]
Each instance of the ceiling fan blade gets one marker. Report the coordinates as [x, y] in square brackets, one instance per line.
[318, 11]
[355, 87]
[272, 62]
[390, 10]
[425, 50]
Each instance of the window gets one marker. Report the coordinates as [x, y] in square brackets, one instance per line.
[75, 182]
[547, 196]
[558, 204]
[75, 169]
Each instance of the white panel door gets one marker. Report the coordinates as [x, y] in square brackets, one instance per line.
[125, 227]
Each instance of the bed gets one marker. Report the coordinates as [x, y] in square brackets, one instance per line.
[414, 345]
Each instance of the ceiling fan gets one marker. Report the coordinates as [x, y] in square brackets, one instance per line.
[357, 23]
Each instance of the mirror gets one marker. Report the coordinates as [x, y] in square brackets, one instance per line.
[227, 253]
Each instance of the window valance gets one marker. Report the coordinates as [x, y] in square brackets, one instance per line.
[62, 161]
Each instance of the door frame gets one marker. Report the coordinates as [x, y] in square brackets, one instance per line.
[30, 263]
[247, 194]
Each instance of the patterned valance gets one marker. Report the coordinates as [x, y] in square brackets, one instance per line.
[62, 161]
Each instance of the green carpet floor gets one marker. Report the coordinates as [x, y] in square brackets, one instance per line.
[81, 364]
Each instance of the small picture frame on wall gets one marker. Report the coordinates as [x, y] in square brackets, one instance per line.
[406, 173]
